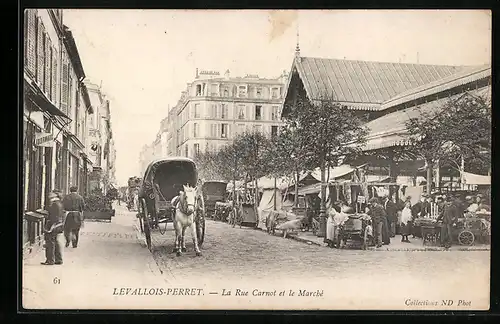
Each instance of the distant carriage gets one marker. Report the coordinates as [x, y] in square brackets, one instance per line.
[163, 179]
[214, 192]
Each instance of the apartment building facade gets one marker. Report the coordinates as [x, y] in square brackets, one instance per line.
[213, 110]
[56, 109]
[102, 148]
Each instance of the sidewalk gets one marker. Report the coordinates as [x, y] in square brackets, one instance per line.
[416, 244]
[108, 256]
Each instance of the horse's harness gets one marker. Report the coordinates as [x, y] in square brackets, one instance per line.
[183, 206]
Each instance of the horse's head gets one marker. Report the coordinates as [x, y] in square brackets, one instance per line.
[189, 197]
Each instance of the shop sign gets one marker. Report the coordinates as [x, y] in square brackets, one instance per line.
[44, 139]
[361, 199]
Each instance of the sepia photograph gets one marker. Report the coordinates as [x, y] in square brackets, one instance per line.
[256, 159]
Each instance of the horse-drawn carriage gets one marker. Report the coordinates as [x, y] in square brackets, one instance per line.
[214, 191]
[168, 193]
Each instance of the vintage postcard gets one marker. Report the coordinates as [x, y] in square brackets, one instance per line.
[256, 159]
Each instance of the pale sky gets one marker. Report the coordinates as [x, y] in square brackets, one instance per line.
[145, 58]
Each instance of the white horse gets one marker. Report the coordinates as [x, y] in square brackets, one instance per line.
[185, 216]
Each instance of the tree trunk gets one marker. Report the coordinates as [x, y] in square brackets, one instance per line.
[275, 193]
[296, 200]
[256, 203]
[429, 176]
[438, 176]
[322, 210]
[462, 170]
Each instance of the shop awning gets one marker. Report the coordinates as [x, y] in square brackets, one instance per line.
[39, 98]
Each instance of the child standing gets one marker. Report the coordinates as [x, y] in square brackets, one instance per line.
[406, 217]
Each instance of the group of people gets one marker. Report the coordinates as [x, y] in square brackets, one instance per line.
[65, 215]
[388, 216]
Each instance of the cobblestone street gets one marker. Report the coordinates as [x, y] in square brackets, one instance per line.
[110, 259]
[248, 257]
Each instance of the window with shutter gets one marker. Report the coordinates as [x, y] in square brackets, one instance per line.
[54, 76]
[48, 57]
[25, 44]
[40, 76]
[31, 41]
[64, 83]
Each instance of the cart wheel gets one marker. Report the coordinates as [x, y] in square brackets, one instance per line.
[147, 225]
[141, 224]
[466, 237]
[200, 230]
[365, 239]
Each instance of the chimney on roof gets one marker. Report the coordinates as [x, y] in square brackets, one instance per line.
[197, 75]
[226, 74]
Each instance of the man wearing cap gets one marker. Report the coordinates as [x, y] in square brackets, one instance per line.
[377, 213]
[73, 205]
[392, 214]
[53, 224]
[449, 217]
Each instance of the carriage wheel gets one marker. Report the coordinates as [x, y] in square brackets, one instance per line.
[200, 229]
[147, 225]
[364, 245]
[466, 237]
[200, 223]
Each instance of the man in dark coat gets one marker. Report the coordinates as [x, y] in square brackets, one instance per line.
[449, 217]
[392, 215]
[53, 227]
[377, 213]
[73, 205]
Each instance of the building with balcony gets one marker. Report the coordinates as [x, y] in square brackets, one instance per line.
[56, 113]
[100, 134]
[56, 109]
[214, 109]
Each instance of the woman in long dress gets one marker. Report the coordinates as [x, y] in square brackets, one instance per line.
[330, 225]
[406, 218]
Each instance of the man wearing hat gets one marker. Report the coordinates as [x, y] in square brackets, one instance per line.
[53, 227]
[73, 205]
[449, 217]
[377, 213]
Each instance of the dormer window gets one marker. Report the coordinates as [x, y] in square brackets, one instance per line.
[274, 93]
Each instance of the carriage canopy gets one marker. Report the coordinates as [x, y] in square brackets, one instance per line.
[214, 189]
[169, 175]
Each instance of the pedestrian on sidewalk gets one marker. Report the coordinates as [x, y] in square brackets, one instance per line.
[406, 217]
[73, 205]
[53, 227]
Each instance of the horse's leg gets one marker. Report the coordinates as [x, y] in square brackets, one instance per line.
[177, 235]
[194, 236]
[183, 243]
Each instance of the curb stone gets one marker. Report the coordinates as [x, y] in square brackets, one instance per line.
[153, 264]
[416, 249]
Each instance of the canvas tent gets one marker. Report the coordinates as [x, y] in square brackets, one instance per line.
[475, 179]
[266, 205]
